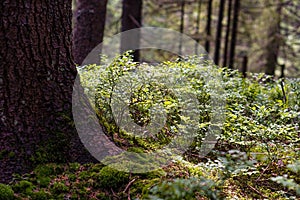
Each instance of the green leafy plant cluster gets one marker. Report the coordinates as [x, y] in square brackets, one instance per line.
[256, 155]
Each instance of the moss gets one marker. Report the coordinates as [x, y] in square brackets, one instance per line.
[24, 187]
[6, 192]
[51, 169]
[73, 167]
[59, 188]
[103, 196]
[143, 186]
[54, 149]
[40, 195]
[136, 150]
[111, 178]
[43, 181]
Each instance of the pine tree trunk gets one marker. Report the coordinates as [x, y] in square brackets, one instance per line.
[228, 26]
[234, 33]
[131, 19]
[89, 27]
[273, 44]
[208, 26]
[36, 81]
[219, 32]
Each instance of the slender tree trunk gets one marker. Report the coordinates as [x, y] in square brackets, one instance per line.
[89, 27]
[208, 25]
[181, 28]
[198, 25]
[228, 26]
[131, 19]
[234, 33]
[273, 44]
[219, 32]
[36, 81]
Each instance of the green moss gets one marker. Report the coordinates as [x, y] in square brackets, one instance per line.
[6, 192]
[43, 181]
[143, 186]
[40, 195]
[24, 187]
[136, 150]
[59, 188]
[111, 178]
[51, 169]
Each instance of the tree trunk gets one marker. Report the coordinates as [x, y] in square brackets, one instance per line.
[273, 44]
[208, 26]
[228, 25]
[198, 25]
[219, 32]
[131, 19]
[89, 27]
[36, 82]
[181, 28]
[234, 33]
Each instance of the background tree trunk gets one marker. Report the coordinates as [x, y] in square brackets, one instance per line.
[208, 26]
[228, 26]
[234, 33]
[219, 32]
[89, 27]
[131, 19]
[273, 40]
[36, 82]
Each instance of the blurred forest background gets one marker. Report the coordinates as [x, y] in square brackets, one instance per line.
[260, 35]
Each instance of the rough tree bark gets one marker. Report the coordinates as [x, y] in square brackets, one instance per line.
[131, 19]
[36, 80]
[89, 27]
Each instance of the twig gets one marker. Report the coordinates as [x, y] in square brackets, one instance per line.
[255, 190]
[263, 172]
[114, 194]
[129, 184]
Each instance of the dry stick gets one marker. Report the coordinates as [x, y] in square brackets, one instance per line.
[128, 188]
[263, 172]
[114, 194]
[129, 184]
[255, 190]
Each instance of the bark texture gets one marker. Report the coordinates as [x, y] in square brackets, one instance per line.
[89, 27]
[36, 80]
